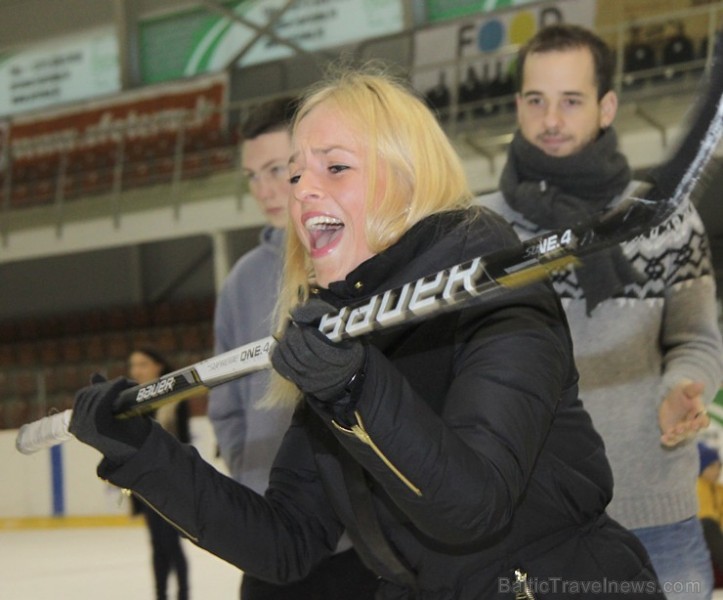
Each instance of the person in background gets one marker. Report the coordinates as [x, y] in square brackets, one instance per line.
[144, 365]
[710, 502]
[248, 436]
[642, 315]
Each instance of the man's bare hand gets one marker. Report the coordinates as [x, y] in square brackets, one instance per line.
[682, 413]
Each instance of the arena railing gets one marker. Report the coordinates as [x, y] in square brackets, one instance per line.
[170, 159]
[191, 152]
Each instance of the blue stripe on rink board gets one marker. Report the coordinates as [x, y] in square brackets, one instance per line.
[56, 469]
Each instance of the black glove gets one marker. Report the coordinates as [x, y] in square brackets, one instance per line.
[93, 422]
[318, 366]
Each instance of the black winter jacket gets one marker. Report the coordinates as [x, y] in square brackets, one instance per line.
[476, 454]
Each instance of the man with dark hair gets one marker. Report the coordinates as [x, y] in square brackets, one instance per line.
[248, 436]
[642, 315]
[560, 38]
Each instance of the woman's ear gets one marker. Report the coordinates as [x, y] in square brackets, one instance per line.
[608, 109]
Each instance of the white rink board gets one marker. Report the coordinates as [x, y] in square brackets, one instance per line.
[26, 482]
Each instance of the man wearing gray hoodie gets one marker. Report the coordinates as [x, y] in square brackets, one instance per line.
[248, 436]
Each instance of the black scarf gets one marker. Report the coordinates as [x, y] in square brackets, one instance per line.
[557, 192]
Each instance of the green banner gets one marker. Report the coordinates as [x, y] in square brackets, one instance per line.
[191, 42]
[443, 10]
[167, 43]
[716, 409]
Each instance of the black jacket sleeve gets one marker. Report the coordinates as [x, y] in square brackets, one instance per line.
[458, 476]
[278, 537]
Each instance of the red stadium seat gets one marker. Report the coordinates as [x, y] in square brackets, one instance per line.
[72, 350]
[206, 308]
[163, 313]
[54, 380]
[95, 348]
[27, 354]
[8, 330]
[19, 194]
[51, 327]
[117, 368]
[142, 338]
[118, 319]
[70, 379]
[191, 338]
[15, 413]
[165, 340]
[96, 181]
[73, 324]
[140, 316]
[117, 346]
[50, 352]
[7, 355]
[25, 383]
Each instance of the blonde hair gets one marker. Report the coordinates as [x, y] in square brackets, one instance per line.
[423, 176]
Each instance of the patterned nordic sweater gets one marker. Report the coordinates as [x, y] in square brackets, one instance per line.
[635, 347]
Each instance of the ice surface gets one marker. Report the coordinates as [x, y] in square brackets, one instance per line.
[112, 563]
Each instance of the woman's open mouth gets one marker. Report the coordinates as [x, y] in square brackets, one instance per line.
[325, 232]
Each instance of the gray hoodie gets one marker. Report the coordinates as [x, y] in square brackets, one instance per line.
[248, 438]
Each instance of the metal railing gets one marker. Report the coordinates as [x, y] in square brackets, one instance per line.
[180, 153]
[187, 153]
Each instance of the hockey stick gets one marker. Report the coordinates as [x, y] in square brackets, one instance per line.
[475, 280]
[478, 279]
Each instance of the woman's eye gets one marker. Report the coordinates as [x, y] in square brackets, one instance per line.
[338, 168]
[294, 179]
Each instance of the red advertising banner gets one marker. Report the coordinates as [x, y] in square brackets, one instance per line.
[163, 109]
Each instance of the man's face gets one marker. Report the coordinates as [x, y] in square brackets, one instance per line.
[558, 108]
[264, 162]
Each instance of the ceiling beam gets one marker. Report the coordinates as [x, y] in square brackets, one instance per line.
[261, 31]
[125, 15]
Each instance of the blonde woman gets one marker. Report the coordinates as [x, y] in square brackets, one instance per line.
[454, 451]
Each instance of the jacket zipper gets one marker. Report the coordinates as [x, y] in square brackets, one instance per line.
[522, 588]
[360, 433]
[127, 492]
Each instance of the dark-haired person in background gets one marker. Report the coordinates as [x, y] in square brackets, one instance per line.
[248, 436]
[144, 365]
[642, 315]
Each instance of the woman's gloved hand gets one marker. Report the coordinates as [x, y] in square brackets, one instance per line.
[318, 366]
[93, 422]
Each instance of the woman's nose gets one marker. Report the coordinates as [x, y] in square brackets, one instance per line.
[307, 187]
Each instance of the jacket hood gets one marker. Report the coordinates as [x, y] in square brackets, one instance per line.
[273, 237]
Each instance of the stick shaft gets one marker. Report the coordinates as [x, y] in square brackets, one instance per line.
[52, 430]
[472, 281]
